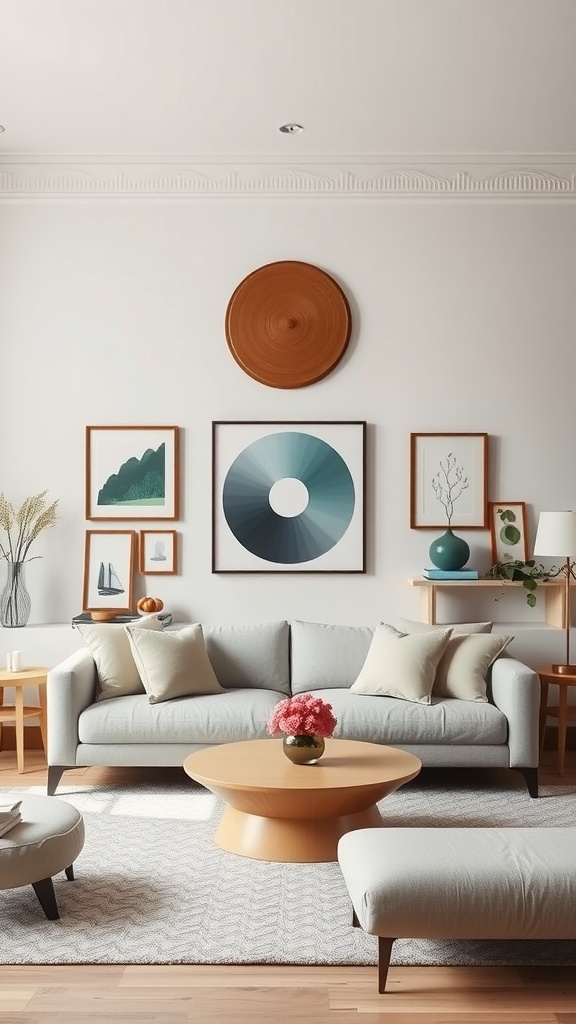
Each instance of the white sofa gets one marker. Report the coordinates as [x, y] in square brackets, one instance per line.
[258, 665]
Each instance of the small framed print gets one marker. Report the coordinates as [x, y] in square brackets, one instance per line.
[132, 473]
[508, 530]
[109, 571]
[448, 481]
[157, 553]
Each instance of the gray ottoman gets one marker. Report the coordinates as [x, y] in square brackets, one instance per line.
[46, 841]
[460, 883]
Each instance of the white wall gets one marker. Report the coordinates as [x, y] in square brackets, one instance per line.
[112, 312]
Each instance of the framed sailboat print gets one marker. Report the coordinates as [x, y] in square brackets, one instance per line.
[132, 473]
[109, 572]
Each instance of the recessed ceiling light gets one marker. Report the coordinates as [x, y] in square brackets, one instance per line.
[291, 129]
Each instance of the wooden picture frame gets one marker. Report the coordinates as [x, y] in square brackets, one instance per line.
[109, 572]
[288, 496]
[132, 472]
[444, 469]
[508, 530]
[157, 552]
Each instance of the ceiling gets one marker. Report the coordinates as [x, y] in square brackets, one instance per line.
[214, 79]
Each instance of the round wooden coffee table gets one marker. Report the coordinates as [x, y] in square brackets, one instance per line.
[276, 810]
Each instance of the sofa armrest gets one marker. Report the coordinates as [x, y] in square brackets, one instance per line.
[515, 690]
[71, 687]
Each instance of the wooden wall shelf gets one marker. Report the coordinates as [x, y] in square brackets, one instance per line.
[554, 596]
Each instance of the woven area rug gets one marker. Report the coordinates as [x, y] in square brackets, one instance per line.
[151, 886]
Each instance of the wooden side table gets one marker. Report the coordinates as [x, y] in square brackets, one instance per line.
[563, 711]
[18, 711]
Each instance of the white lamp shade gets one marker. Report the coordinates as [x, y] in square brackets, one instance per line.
[556, 534]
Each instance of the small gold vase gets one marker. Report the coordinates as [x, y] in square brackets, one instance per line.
[304, 749]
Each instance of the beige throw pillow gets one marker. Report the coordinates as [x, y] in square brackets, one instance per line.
[464, 665]
[400, 665]
[173, 663]
[109, 646]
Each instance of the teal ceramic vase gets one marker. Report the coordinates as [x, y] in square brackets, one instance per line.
[449, 552]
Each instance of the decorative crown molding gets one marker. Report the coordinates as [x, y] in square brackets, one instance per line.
[551, 176]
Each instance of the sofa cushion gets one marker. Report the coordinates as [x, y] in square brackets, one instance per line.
[394, 722]
[109, 646]
[172, 663]
[250, 655]
[464, 665]
[325, 656]
[402, 665]
[214, 718]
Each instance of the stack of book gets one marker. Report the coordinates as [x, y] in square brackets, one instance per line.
[9, 816]
[450, 574]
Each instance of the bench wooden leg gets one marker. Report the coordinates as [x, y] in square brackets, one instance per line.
[384, 954]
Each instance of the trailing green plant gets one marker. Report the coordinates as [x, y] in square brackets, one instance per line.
[514, 570]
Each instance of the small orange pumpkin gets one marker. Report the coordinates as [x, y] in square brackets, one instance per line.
[150, 604]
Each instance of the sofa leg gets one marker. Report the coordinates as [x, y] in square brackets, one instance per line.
[47, 897]
[55, 773]
[70, 872]
[531, 777]
[384, 954]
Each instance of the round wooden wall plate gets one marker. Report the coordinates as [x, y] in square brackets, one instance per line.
[288, 324]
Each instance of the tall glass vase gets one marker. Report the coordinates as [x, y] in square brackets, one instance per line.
[15, 603]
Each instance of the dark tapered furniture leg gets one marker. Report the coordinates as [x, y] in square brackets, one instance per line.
[45, 893]
[384, 954]
[531, 777]
[70, 873]
[55, 773]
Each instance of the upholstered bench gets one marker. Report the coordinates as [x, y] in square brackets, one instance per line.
[46, 841]
[460, 883]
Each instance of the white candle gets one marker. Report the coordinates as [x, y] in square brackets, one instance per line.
[16, 661]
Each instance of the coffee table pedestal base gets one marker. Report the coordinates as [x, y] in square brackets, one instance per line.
[308, 840]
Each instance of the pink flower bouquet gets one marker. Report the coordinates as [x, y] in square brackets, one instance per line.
[303, 715]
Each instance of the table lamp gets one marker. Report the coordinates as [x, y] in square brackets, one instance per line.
[556, 536]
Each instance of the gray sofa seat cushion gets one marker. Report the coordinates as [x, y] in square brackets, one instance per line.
[250, 656]
[213, 718]
[325, 656]
[389, 721]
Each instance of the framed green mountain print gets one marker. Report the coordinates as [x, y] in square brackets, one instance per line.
[132, 473]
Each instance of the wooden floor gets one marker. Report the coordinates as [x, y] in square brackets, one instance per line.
[316, 995]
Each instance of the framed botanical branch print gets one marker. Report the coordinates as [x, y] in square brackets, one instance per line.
[508, 530]
[157, 552]
[132, 473]
[448, 481]
[109, 571]
[288, 496]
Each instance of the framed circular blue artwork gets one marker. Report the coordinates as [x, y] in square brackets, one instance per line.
[288, 497]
